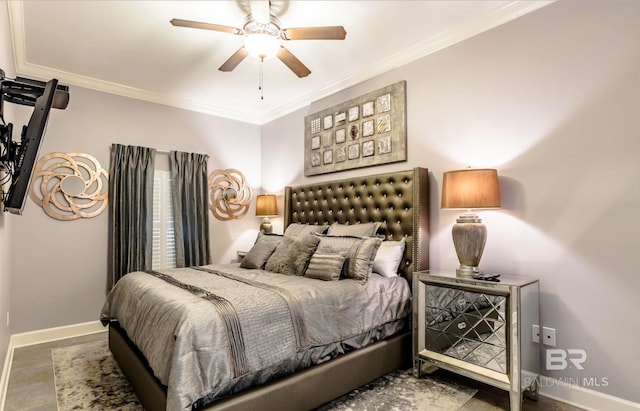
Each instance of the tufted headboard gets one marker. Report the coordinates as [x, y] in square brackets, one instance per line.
[400, 200]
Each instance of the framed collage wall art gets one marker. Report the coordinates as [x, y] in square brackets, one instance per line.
[365, 131]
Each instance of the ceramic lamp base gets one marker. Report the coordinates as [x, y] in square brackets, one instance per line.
[469, 237]
[266, 226]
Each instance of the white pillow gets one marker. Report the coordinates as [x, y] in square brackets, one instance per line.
[388, 258]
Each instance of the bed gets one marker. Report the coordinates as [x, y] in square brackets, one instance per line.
[326, 366]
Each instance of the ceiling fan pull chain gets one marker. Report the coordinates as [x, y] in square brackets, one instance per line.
[260, 80]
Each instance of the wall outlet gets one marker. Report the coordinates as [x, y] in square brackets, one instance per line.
[535, 333]
[549, 336]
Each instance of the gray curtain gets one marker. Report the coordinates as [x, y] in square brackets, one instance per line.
[130, 210]
[190, 208]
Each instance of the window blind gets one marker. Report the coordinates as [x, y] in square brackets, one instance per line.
[164, 244]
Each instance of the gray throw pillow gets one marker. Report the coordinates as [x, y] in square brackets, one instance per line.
[325, 267]
[297, 230]
[258, 255]
[359, 252]
[292, 257]
[269, 238]
[355, 230]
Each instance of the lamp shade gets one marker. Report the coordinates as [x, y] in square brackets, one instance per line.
[470, 189]
[266, 205]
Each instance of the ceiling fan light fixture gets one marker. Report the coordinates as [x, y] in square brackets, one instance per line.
[262, 40]
[262, 45]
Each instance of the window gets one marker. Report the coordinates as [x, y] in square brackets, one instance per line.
[164, 244]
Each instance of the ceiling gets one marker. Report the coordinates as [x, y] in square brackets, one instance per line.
[130, 48]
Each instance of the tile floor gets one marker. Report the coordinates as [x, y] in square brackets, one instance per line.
[31, 385]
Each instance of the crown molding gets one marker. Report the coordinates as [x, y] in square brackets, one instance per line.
[438, 42]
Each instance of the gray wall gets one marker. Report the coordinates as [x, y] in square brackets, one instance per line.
[59, 268]
[552, 101]
[8, 65]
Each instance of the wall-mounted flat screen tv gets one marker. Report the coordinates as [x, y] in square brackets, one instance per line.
[27, 150]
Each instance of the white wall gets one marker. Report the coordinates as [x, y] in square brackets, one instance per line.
[552, 101]
[8, 65]
[59, 268]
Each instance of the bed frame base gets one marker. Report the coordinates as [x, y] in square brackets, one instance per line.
[304, 390]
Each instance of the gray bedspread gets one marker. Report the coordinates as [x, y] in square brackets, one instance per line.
[211, 331]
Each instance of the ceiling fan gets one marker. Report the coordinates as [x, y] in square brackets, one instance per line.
[262, 36]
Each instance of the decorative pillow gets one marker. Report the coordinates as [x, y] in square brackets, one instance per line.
[388, 258]
[270, 238]
[292, 257]
[297, 230]
[355, 230]
[258, 255]
[325, 267]
[359, 252]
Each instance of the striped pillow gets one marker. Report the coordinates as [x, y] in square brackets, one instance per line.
[325, 267]
[359, 253]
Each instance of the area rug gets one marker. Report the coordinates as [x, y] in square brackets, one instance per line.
[87, 377]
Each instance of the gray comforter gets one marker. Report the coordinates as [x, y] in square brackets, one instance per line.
[211, 331]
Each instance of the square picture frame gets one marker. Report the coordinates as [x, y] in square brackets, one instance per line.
[368, 109]
[383, 145]
[315, 142]
[368, 148]
[327, 157]
[341, 154]
[354, 113]
[327, 122]
[327, 139]
[354, 151]
[315, 159]
[367, 128]
[383, 124]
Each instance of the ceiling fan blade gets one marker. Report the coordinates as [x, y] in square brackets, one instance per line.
[314, 33]
[205, 26]
[234, 60]
[292, 62]
[260, 10]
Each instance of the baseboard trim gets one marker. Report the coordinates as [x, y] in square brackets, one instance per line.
[56, 333]
[581, 397]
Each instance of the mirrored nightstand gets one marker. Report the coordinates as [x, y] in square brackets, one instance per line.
[479, 329]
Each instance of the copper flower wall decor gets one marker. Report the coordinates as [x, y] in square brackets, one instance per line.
[69, 186]
[230, 194]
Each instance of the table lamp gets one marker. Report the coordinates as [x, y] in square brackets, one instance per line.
[470, 189]
[266, 206]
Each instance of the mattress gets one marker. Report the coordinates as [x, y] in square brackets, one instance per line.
[208, 332]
